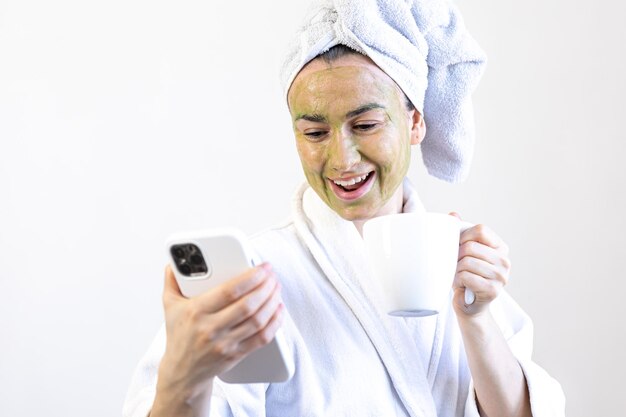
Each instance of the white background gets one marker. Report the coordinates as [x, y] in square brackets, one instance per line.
[124, 121]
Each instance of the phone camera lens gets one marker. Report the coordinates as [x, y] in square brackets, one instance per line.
[185, 269]
[196, 259]
[178, 252]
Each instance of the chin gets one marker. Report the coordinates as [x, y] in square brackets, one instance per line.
[356, 214]
[357, 211]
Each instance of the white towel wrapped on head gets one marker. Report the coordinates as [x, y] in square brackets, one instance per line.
[424, 47]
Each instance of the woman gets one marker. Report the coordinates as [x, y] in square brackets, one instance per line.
[354, 126]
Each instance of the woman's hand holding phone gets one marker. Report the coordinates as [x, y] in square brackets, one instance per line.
[210, 333]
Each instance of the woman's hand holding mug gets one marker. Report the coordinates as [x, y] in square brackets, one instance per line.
[483, 267]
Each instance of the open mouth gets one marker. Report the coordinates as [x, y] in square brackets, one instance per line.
[353, 188]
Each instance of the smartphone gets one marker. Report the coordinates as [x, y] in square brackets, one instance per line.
[204, 259]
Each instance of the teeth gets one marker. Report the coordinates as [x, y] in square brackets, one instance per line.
[351, 181]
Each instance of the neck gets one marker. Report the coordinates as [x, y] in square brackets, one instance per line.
[393, 206]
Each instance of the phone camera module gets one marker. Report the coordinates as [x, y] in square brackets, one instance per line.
[189, 260]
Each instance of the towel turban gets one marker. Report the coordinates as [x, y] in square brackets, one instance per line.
[424, 47]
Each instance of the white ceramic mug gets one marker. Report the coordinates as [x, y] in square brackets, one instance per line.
[414, 256]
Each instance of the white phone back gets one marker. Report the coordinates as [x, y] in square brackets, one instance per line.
[227, 255]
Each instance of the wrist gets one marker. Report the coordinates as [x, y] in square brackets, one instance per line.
[477, 321]
[186, 402]
[179, 395]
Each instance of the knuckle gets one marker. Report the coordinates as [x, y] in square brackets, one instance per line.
[501, 277]
[460, 265]
[235, 355]
[465, 262]
[230, 294]
[481, 229]
[471, 247]
[467, 276]
[270, 282]
[247, 307]
[265, 337]
[256, 322]
[193, 312]
[207, 336]
[222, 349]
[456, 283]
[506, 262]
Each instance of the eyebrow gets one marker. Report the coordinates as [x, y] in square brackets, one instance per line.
[319, 118]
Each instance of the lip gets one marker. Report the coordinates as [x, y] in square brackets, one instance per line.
[356, 194]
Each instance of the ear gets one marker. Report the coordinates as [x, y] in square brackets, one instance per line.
[418, 127]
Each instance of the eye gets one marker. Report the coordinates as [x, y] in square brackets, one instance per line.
[315, 135]
[364, 127]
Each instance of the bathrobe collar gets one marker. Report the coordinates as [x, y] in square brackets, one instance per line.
[338, 249]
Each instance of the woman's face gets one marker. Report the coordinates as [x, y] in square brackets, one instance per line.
[353, 134]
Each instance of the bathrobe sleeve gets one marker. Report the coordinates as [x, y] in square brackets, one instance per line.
[546, 396]
[142, 389]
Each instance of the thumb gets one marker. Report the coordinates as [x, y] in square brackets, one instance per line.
[455, 214]
[171, 290]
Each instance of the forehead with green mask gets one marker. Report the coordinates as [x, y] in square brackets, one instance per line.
[353, 133]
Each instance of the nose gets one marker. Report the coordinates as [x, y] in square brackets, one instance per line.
[343, 152]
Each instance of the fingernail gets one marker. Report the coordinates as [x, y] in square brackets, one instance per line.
[266, 266]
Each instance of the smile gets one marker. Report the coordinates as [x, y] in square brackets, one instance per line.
[352, 181]
[352, 188]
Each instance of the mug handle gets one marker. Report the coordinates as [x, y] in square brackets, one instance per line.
[469, 294]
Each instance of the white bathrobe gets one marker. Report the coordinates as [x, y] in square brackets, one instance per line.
[351, 358]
